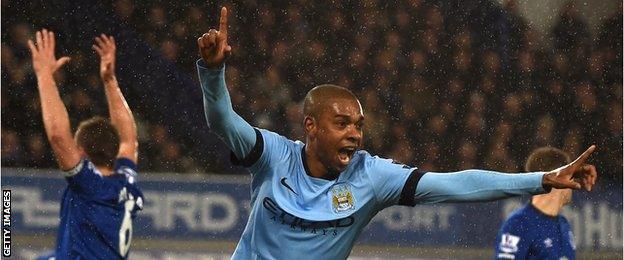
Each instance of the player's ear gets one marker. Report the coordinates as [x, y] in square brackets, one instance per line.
[309, 125]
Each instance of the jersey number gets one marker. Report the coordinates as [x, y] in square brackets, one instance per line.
[125, 233]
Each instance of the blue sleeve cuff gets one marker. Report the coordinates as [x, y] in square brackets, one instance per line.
[125, 162]
[201, 65]
[73, 171]
[539, 179]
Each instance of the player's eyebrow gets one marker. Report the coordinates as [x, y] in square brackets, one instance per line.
[348, 117]
[342, 116]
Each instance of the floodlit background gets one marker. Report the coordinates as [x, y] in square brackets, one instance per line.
[445, 85]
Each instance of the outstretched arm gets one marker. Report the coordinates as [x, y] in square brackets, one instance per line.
[480, 185]
[233, 129]
[55, 117]
[120, 113]
[476, 185]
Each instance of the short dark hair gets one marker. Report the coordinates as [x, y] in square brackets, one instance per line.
[319, 96]
[99, 139]
[546, 159]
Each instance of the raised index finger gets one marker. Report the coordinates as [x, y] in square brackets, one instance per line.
[581, 159]
[223, 21]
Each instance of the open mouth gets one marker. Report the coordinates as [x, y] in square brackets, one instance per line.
[345, 154]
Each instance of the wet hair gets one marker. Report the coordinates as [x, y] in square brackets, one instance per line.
[320, 95]
[546, 159]
[100, 141]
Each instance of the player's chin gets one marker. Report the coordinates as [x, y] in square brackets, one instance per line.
[341, 163]
[340, 168]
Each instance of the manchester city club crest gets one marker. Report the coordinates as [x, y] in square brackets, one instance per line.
[342, 198]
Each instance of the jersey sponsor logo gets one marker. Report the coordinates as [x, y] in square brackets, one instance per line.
[342, 198]
[283, 182]
[509, 243]
[304, 225]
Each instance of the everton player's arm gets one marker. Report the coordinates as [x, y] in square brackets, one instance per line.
[120, 113]
[239, 136]
[55, 117]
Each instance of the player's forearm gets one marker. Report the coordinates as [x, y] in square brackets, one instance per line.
[56, 122]
[120, 113]
[233, 129]
[55, 117]
[476, 185]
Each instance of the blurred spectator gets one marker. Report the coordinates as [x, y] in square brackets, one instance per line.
[12, 151]
[438, 91]
[571, 31]
[38, 152]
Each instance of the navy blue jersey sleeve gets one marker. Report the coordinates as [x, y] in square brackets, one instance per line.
[128, 168]
[122, 163]
[83, 179]
[514, 240]
[393, 183]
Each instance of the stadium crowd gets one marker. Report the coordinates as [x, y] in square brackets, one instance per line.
[441, 89]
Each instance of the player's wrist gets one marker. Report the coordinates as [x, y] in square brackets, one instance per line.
[44, 74]
[548, 180]
[211, 64]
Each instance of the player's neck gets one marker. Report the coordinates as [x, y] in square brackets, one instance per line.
[314, 166]
[548, 204]
[104, 171]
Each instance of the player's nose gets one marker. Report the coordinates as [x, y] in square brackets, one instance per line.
[354, 134]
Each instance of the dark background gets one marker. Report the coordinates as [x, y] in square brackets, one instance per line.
[445, 85]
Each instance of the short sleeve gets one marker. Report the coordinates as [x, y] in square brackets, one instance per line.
[126, 167]
[393, 183]
[123, 162]
[513, 240]
[83, 178]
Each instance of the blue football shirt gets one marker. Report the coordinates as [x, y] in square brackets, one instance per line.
[530, 234]
[294, 214]
[97, 212]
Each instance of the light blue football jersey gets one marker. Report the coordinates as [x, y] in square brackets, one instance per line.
[298, 216]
